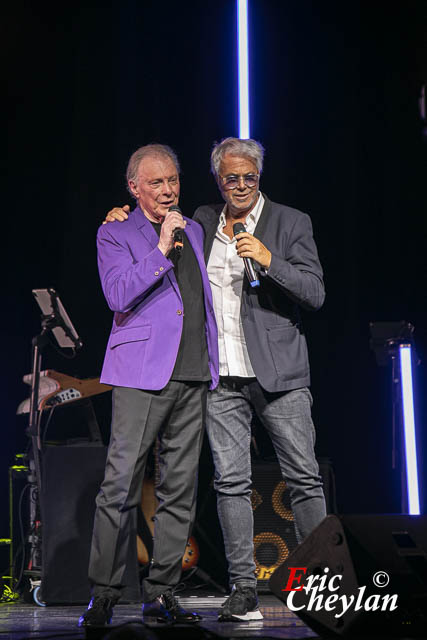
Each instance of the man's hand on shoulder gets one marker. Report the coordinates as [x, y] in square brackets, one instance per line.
[250, 247]
[118, 213]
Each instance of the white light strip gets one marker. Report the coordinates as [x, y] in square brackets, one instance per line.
[243, 56]
[409, 429]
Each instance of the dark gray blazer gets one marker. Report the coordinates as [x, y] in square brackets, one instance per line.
[270, 313]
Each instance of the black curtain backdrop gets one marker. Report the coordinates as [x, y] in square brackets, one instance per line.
[334, 100]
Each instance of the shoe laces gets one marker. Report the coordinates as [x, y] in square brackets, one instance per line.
[240, 593]
[170, 601]
[99, 603]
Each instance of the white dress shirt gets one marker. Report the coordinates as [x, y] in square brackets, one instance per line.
[226, 271]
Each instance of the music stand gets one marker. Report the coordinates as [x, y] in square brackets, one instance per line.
[55, 321]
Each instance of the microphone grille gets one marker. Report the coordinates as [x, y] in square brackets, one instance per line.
[238, 227]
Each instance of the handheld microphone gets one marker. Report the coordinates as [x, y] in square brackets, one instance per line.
[238, 227]
[178, 239]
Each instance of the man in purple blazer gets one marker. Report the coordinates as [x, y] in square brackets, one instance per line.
[161, 358]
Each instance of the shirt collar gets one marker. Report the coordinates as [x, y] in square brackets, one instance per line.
[251, 219]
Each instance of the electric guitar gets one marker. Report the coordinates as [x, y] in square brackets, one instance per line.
[145, 524]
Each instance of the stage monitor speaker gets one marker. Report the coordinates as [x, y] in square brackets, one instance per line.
[274, 529]
[71, 479]
[382, 564]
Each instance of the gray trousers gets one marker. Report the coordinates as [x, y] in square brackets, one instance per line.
[176, 415]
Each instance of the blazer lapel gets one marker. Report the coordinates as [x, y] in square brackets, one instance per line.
[259, 233]
[261, 226]
[147, 229]
[195, 245]
[210, 231]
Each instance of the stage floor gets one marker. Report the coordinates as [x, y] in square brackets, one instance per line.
[21, 621]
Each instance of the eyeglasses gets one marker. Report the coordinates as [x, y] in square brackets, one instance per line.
[232, 182]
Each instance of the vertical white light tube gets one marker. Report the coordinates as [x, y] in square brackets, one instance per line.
[243, 62]
[409, 429]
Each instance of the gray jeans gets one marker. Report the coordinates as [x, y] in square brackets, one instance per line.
[287, 418]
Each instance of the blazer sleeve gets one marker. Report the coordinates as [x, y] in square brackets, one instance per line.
[124, 281]
[300, 274]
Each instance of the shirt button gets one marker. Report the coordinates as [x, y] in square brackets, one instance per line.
[179, 312]
[156, 273]
[161, 268]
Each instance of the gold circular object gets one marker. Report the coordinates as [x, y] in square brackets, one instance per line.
[277, 502]
[263, 572]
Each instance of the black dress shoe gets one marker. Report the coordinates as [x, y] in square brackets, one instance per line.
[99, 612]
[165, 608]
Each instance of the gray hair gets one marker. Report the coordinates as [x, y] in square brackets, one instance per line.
[236, 147]
[144, 152]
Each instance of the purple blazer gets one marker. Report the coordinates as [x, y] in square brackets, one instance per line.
[140, 286]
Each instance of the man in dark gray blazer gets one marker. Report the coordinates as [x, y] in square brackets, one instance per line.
[264, 364]
[263, 356]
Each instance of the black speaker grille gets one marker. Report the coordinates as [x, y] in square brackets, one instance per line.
[274, 531]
